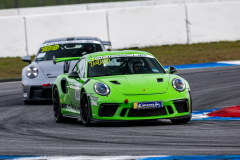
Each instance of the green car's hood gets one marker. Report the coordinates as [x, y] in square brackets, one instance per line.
[138, 83]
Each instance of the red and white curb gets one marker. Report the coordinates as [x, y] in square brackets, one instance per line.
[229, 113]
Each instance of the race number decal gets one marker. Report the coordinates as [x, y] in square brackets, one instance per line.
[99, 62]
[77, 96]
[49, 48]
[41, 55]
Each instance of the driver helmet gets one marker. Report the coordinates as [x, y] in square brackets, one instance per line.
[87, 46]
[135, 63]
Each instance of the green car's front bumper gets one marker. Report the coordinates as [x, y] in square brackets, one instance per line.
[108, 109]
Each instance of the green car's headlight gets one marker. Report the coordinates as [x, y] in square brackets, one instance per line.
[32, 72]
[178, 84]
[101, 89]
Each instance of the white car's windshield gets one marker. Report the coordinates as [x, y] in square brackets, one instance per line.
[122, 65]
[67, 50]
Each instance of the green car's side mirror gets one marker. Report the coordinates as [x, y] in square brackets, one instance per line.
[73, 74]
[26, 59]
[172, 70]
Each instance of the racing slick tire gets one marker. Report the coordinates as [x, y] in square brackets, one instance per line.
[84, 109]
[57, 107]
[27, 102]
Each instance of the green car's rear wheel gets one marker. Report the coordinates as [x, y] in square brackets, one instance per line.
[84, 109]
[57, 107]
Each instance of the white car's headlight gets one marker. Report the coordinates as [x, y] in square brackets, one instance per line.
[32, 72]
[178, 84]
[101, 89]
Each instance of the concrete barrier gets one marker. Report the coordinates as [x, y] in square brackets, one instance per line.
[12, 39]
[52, 9]
[166, 2]
[214, 22]
[126, 28]
[119, 5]
[44, 27]
[97, 6]
[152, 26]
[9, 12]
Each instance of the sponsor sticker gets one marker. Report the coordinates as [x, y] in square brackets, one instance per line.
[99, 62]
[94, 103]
[77, 96]
[147, 105]
[50, 75]
[94, 98]
[67, 42]
[40, 55]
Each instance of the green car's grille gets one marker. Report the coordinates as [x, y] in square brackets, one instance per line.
[147, 112]
[107, 110]
[124, 110]
[170, 110]
[40, 92]
[182, 106]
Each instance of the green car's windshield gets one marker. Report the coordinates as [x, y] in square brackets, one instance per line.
[66, 50]
[123, 64]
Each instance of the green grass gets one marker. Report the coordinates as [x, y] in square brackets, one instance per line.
[12, 67]
[195, 53]
[167, 55]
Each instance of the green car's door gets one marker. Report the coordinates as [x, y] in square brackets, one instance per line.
[75, 86]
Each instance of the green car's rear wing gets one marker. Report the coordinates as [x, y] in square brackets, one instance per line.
[107, 43]
[56, 60]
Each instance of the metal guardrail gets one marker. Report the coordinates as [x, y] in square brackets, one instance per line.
[6, 4]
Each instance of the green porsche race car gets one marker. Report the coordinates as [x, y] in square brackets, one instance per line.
[120, 86]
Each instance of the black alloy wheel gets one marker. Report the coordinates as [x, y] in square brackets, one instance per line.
[84, 109]
[57, 107]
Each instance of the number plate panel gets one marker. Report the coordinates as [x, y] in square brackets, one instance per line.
[148, 105]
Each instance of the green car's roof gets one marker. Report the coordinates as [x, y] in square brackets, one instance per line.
[107, 53]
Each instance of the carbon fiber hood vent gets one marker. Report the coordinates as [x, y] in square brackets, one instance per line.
[115, 82]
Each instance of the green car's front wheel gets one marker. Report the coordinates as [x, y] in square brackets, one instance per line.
[57, 107]
[84, 109]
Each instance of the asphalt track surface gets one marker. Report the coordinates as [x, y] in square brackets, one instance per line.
[31, 129]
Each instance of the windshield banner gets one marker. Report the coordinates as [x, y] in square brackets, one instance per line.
[69, 42]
